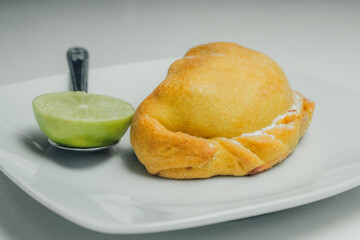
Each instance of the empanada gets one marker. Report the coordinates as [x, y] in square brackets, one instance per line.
[223, 109]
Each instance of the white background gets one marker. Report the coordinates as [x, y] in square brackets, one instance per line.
[320, 38]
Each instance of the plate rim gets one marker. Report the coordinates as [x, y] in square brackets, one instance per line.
[191, 222]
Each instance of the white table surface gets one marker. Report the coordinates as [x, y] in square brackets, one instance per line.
[320, 38]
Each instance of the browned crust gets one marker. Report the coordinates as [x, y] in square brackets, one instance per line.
[256, 170]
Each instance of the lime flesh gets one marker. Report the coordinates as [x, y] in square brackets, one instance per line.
[83, 120]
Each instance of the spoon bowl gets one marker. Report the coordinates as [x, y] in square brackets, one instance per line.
[91, 149]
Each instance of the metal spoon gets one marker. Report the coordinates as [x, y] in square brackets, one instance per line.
[78, 59]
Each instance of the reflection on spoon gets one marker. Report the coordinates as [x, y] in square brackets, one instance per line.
[91, 149]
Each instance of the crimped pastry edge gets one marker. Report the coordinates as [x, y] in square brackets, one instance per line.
[178, 155]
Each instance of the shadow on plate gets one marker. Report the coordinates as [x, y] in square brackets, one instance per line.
[76, 160]
[130, 161]
[35, 141]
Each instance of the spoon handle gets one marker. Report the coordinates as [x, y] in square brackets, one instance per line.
[78, 59]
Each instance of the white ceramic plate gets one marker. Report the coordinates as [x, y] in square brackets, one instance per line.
[111, 192]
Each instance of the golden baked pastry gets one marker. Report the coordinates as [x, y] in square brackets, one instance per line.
[223, 109]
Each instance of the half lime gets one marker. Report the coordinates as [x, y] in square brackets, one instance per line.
[82, 120]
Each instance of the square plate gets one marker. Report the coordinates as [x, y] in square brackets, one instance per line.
[111, 192]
